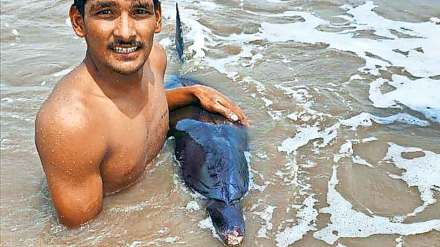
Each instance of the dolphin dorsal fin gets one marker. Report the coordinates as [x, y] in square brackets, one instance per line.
[179, 36]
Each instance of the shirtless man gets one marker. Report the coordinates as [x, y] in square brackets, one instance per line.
[106, 120]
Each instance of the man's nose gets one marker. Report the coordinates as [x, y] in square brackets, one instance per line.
[125, 29]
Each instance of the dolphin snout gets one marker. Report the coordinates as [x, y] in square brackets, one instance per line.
[228, 221]
[233, 238]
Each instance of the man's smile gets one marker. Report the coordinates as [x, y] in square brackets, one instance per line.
[125, 50]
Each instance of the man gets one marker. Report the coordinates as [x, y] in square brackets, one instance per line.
[106, 120]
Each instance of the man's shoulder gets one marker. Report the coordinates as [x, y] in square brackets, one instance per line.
[158, 57]
[66, 106]
[62, 116]
[65, 124]
[158, 50]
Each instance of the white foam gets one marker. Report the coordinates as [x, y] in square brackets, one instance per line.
[252, 173]
[261, 91]
[192, 206]
[418, 54]
[159, 242]
[136, 243]
[198, 34]
[265, 215]
[63, 72]
[399, 242]
[221, 64]
[303, 98]
[356, 77]
[366, 119]
[345, 150]
[435, 20]
[363, 18]
[417, 63]
[358, 160]
[166, 42]
[420, 95]
[306, 217]
[345, 222]
[275, 1]
[300, 94]
[303, 136]
[267, 102]
[421, 172]
[207, 224]
[140, 206]
[170, 240]
[209, 6]
[369, 139]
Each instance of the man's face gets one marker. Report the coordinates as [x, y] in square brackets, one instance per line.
[119, 33]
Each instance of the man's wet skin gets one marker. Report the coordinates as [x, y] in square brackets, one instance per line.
[106, 120]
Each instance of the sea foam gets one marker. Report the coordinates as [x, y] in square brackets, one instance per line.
[421, 172]
[420, 95]
[346, 222]
[306, 216]
[413, 47]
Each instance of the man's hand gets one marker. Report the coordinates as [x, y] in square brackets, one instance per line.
[213, 101]
[209, 98]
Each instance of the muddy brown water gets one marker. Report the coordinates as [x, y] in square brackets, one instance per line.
[297, 87]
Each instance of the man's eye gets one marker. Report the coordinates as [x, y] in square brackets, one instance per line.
[141, 11]
[104, 12]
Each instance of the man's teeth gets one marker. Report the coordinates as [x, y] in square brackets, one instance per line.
[124, 50]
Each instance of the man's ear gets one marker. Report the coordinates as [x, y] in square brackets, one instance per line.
[158, 14]
[77, 21]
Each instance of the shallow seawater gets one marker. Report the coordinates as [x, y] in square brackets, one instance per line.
[344, 101]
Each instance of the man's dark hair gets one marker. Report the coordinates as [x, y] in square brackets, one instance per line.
[79, 4]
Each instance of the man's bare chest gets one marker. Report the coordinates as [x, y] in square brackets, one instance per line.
[133, 143]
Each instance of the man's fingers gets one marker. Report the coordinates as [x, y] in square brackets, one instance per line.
[245, 122]
[243, 118]
[233, 117]
[226, 112]
[233, 113]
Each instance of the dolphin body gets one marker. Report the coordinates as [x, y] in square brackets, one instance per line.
[210, 150]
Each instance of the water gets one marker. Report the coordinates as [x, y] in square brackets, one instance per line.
[344, 101]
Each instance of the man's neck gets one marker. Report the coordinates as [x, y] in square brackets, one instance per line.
[114, 84]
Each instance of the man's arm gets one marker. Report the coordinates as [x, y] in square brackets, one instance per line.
[210, 99]
[71, 152]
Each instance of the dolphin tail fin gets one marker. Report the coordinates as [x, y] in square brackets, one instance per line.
[179, 36]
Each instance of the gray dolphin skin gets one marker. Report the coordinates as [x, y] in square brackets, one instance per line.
[210, 150]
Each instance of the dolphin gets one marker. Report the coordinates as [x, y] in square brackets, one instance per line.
[211, 152]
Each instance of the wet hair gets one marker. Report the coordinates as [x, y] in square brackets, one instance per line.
[79, 4]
